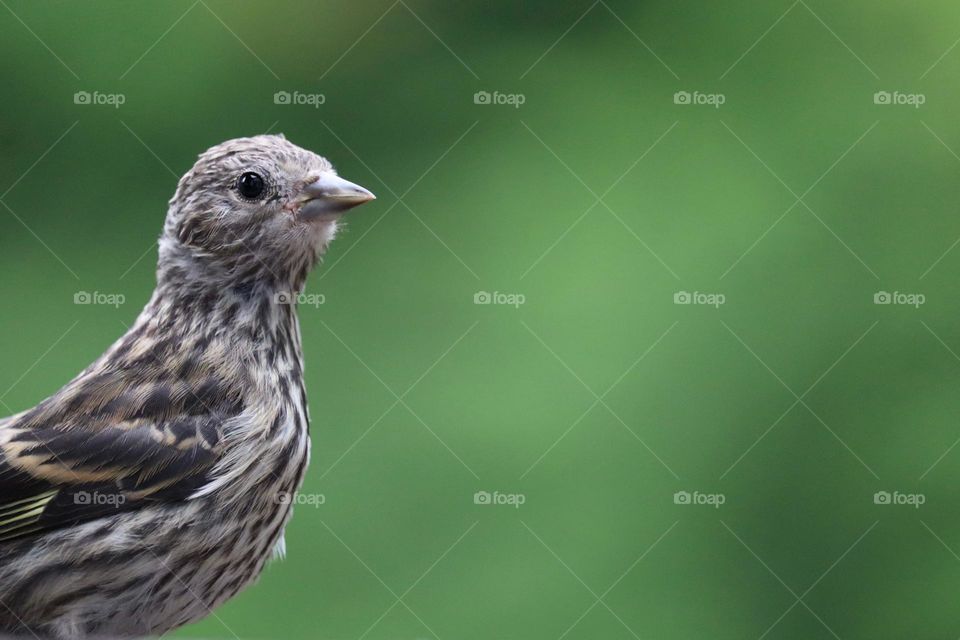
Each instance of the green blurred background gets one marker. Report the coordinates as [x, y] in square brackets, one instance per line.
[598, 200]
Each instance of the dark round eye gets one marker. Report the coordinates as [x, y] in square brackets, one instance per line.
[250, 185]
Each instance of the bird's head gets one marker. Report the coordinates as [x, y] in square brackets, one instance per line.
[257, 206]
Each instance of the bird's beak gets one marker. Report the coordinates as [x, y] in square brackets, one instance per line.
[330, 195]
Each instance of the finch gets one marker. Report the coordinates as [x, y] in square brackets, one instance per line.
[157, 483]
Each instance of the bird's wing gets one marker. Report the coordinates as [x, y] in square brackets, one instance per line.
[57, 470]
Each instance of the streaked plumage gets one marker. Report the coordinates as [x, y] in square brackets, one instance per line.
[155, 485]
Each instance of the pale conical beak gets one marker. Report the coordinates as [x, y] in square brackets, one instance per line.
[330, 195]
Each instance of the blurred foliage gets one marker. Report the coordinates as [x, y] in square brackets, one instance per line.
[598, 200]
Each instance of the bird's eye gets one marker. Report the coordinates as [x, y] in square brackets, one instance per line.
[250, 185]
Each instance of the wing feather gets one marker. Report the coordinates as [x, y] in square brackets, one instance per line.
[52, 477]
[136, 428]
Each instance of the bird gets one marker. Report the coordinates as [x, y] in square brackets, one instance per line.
[158, 483]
